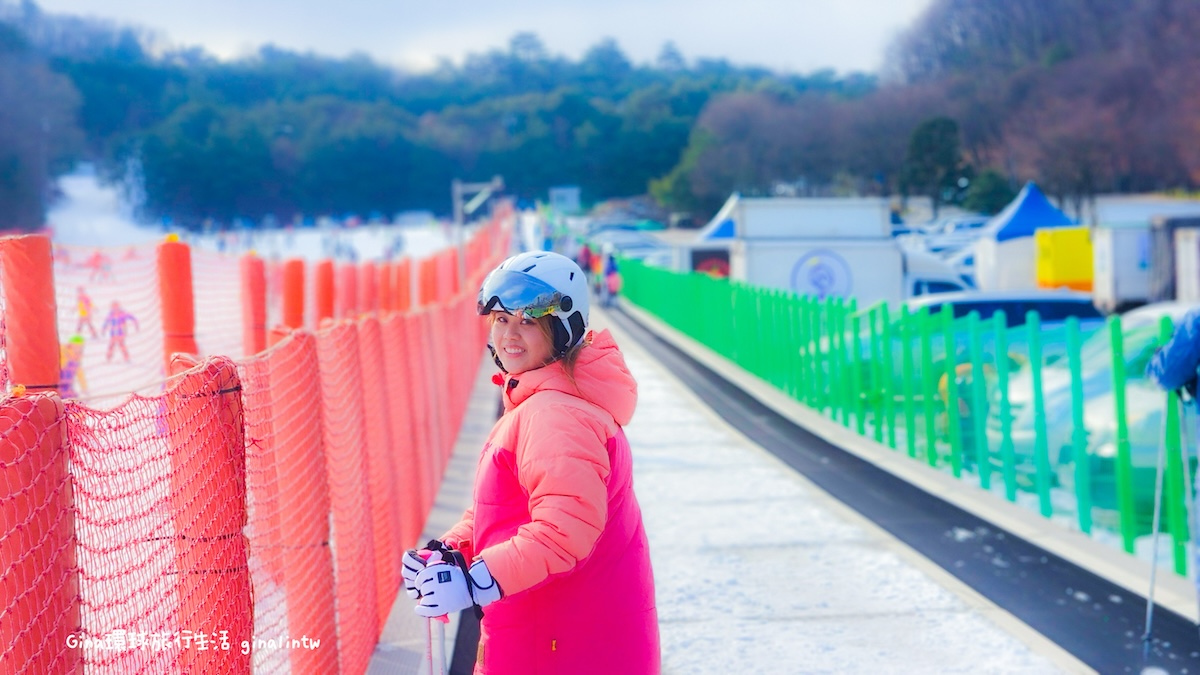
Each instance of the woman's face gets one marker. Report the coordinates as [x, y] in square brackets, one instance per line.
[520, 343]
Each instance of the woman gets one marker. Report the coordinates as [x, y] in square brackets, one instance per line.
[553, 546]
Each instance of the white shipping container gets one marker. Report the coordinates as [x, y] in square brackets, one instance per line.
[868, 271]
[817, 218]
[1121, 267]
[1187, 265]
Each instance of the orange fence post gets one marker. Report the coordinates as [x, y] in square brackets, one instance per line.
[39, 587]
[381, 470]
[254, 305]
[347, 292]
[402, 285]
[427, 290]
[404, 439]
[178, 302]
[324, 281]
[368, 298]
[387, 299]
[205, 431]
[288, 483]
[309, 571]
[30, 312]
[293, 293]
[344, 435]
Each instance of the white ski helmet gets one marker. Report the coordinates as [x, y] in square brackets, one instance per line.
[538, 283]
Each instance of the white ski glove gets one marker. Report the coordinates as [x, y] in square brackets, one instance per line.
[413, 561]
[445, 587]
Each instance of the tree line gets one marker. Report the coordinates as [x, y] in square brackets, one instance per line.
[1084, 96]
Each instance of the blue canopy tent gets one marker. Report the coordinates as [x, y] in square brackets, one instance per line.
[1005, 257]
[1025, 214]
[721, 226]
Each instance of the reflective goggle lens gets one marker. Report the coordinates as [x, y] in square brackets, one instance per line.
[513, 292]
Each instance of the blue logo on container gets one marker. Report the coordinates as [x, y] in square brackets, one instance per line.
[821, 274]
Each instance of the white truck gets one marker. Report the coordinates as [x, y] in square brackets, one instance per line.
[830, 247]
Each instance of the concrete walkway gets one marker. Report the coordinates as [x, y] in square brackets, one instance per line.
[757, 570]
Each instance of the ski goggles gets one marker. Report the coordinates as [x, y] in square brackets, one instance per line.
[512, 291]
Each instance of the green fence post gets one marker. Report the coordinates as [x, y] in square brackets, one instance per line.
[807, 377]
[1041, 454]
[876, 387]
[789, 356]
[741, 332]
[1079, 455]
[1176, 490]
[837, 360]
[889, 378]
[950, 366]
[1008, 460]
[1126, 506]
[844, 371]
[824, 349]
[979, 404]
[856, 374]
[829, 340]
[929, 386]
[908, 330]
[849, 386]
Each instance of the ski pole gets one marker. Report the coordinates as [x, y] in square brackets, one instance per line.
[429, 646]
[1188, 505]
[439, 636]
[1158, 488]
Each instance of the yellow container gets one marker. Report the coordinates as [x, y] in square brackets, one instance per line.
[1064, 258]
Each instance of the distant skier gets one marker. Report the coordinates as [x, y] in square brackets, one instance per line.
[85, 308]
[114, 328]
[101, 267]
[71, 368]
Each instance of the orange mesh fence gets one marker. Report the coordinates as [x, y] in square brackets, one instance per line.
[402, 416]
[160, 508]
[288, 504]
[274, 278]
[381, 470]
[346, 292]
[239, 516]
[219, 286]
[39, 597]
[368, 293]
[349, 492]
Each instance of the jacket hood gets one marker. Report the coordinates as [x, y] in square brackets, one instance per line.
[601, 378]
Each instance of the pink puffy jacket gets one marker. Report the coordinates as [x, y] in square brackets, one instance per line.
[556, 520]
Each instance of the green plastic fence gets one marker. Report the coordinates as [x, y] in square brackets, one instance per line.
[938, 389]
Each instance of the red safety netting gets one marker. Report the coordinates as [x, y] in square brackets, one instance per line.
[240, 516]
[217, 286]
[288, 505]
[350, 494]
[38, 586]
[160, 494]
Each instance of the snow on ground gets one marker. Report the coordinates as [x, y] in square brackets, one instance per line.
[757, 570]
[92, 214]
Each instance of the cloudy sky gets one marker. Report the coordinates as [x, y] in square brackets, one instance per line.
[797, 36]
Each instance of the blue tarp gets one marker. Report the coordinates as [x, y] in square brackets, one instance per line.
[1029, 211]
